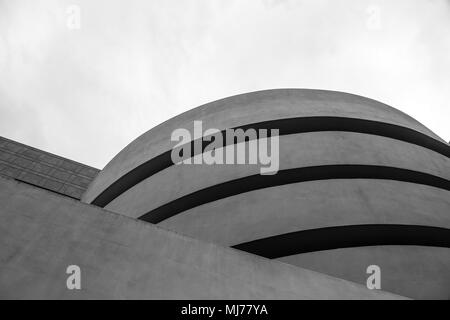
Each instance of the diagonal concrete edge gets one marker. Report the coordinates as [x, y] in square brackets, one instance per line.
[42, 233]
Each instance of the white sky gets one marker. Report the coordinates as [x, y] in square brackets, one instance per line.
[86, 93]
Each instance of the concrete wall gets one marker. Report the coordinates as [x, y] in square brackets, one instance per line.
[300, 206]
[249, 108]
[44, 169]
[424, 271]
[120, 258]
[296, 151]
[310, 205]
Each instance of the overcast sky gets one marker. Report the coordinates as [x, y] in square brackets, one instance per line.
[84, 88]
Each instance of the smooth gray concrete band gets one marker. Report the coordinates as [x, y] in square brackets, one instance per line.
[285, 127]
[123, 258]
[249, 108]
[421, 271]
[255, 182]
[431, 242]
[311, 205]
[295, 151]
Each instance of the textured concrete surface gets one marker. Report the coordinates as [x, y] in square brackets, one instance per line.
[300, 206]
[309, 205]
[296, 151]
[44, 169]
[250, 108]
[422, 271]
[122, 258]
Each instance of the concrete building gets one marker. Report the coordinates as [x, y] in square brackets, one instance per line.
[44, 170]
[359, 184]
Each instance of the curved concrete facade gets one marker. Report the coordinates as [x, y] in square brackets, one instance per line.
[123, 258]
[250, 108]
[370, 165]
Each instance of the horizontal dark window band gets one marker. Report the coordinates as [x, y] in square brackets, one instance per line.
[352, 236]
[285, 127]
[289, 176]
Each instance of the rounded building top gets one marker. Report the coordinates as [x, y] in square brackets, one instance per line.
[245, 109]
[346, 179]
